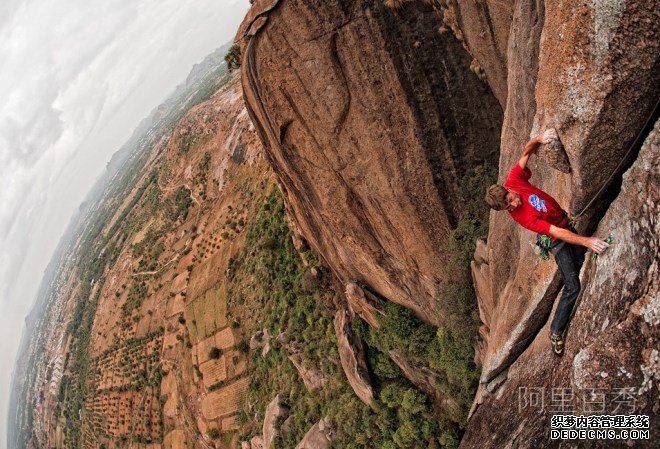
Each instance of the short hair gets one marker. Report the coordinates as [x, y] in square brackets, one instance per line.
[496, 197]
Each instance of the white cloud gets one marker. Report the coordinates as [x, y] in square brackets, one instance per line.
[76, 77]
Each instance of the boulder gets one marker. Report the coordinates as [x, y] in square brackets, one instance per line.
[274, 411]
[318, 436]
[261, 340]
[257, 442]
[288, 424]
[313, 378]
[352, 356]
[424, 378]
[363, 304]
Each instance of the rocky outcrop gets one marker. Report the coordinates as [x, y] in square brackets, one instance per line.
[256, 442]
[288, 423]
[261, 340]
[589, 97]
[370, 117]
[351, 354]
[588, 90]
[313, 378]
[369, 149]
[611, 360]
[274, 412]
[318, 436]
[363, 303]
[516, 317]
[483, 27]
[481, 280]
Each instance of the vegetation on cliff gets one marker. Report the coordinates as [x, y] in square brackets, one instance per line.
[270, 276]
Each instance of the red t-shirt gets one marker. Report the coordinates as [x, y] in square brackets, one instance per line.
[538, 210]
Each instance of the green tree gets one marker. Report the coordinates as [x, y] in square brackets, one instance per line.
[214, 353]
[233, 57]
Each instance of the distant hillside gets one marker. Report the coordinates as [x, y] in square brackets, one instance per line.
[122, 172]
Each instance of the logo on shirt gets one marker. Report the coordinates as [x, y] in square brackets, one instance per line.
[537, 203]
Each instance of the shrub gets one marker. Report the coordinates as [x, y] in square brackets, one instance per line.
[233, 57]
[243, 347]
[214, 353]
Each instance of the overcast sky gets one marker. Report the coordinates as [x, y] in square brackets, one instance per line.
[76, 77]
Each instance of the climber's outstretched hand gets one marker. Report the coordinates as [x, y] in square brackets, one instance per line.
[597, 245]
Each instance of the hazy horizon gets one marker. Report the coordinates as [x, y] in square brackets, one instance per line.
[77, 79]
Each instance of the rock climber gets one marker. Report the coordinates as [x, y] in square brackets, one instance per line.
[537, 211]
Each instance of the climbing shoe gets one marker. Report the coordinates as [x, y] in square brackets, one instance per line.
[557, 345]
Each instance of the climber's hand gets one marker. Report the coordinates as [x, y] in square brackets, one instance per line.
[597, 245]
[548, 136]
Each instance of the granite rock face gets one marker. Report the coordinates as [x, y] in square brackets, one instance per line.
[517, 301]
[274, 411]
[483, 26]
[313, 378]
[352, 356]
[318, 436]
[363, 304]
[370, 117]
[594, 77]
[611, 362]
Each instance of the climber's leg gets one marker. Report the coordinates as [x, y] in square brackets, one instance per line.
[569, 259]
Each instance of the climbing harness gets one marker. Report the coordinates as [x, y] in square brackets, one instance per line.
[545, 243]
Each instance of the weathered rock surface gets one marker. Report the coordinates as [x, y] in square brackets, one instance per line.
[351, 354]
[591, 71]
[482, 285]
[261, 340]
[363, 304]
[521, 281]
[256, 442]
[318, 436]
[274, 411]
[613, 338]
[288, 424]
[369, 148]
[370, 117]
[313, 378]
[483, 26]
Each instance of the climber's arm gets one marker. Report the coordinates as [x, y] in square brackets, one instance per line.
[593, 243]
[534, 143]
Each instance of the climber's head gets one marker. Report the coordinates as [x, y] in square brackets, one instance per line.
[500, 198]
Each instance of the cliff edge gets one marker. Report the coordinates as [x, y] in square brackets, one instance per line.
[370, 117]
